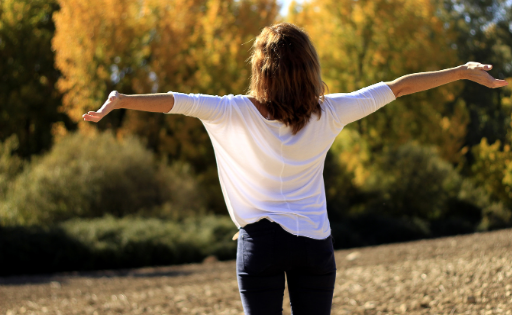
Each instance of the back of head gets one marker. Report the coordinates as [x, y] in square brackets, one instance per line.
[286, 75]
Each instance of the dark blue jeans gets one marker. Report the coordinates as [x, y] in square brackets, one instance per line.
[266, 253]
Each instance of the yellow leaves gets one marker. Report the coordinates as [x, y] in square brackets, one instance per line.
[506, 99]
[358, 14]
[59, 131]
[445, 123]
[363, 42]
[103, 74]
[450, 137]
[374, 33]
[507, 178]
[493, 170]
[353, 152]
[378, 59]
[156, 46]
[12, 12]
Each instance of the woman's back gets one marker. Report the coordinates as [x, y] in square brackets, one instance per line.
[267, 171]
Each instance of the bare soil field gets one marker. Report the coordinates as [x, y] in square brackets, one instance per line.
[469, 274]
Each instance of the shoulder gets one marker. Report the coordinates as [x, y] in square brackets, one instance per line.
[252, 99]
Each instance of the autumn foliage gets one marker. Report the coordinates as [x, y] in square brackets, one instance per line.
[364, 42]
[150, 46]
[459, 134]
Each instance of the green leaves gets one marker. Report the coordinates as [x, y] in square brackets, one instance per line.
[29, 100]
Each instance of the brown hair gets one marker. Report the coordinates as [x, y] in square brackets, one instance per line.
[286, 75]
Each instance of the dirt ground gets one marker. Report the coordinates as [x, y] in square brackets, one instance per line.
[469, 274]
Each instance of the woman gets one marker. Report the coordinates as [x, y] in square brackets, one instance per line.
[270, 148]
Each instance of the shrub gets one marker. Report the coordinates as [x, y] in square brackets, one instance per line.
[495, 216]
[412, 181]
[107, 243]
[92, 176]
[35, 249]
[345, 171]
[492, 170]
[374, 229]
[10, 164]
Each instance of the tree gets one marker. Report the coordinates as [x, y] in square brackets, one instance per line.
[364, 42]
[492, 170]
[98, 48]
[483, 34]
[28, 99]
[155, 45]
[204, 51]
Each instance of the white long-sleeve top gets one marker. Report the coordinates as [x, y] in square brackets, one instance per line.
[267, 172]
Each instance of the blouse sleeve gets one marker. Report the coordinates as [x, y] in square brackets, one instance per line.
[350, 107]
[205, 107]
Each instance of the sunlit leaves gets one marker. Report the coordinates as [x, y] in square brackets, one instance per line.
[493, 171]
[364, 42]
[189, 46]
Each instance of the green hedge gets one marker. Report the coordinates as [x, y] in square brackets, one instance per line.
[110, 243]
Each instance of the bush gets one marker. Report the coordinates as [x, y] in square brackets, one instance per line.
[410, 190]
[29, 250]
[412, 181]
[495, 216]
[107, 243]
[492, 170]
[91, 176]
[373, 229]
[345, 171]
[10, 164]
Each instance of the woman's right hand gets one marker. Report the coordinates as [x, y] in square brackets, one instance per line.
[477, 72]
[111, 104]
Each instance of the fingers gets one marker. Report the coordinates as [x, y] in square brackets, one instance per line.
[92, 116]
[106, 108]
[499, 83]
[493, 83]
[482, 76]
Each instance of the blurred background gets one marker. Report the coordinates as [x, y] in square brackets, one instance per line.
[141, 189]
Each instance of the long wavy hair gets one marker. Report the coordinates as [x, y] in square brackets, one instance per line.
[286, 75]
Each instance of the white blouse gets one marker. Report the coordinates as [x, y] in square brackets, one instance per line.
[267, 172]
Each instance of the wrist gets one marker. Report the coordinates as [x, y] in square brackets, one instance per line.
[120, 101]
[461, 72]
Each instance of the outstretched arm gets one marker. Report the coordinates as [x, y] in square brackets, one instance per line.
[157, 103]
[417, 82]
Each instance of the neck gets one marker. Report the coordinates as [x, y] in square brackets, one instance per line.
[261, 108]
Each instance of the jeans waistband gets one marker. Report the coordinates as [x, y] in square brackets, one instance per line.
[263, 224]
